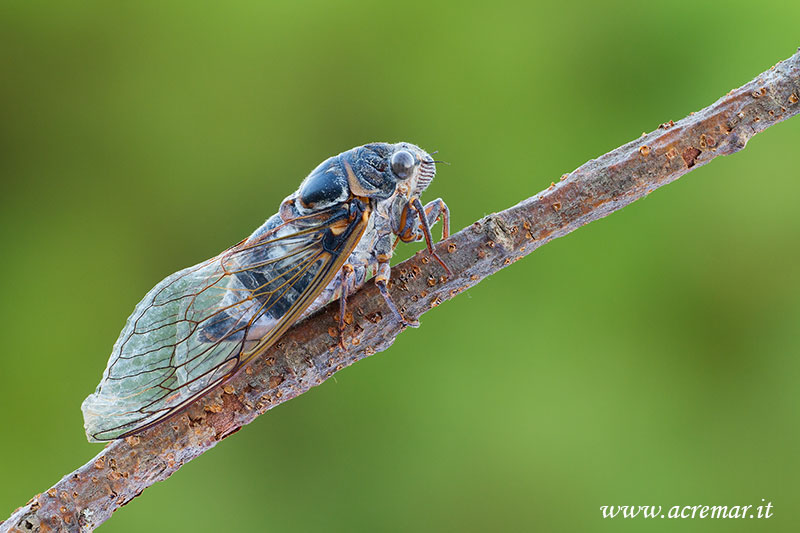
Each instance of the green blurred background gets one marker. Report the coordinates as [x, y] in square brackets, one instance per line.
[649, 358]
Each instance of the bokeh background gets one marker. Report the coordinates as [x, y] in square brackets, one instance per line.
[649, 358]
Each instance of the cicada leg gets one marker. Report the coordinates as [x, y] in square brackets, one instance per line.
[426, 231]
[412, 228]
[345, 282]
[436, 210]
[381, 278]
[409, 224]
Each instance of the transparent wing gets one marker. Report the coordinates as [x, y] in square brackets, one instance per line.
[198, 326]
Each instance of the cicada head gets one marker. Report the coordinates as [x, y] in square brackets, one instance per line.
[419, 173]
[379, 170]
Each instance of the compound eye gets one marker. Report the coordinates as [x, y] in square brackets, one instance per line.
[403, 164]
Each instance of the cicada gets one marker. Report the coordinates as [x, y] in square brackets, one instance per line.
[200, 325]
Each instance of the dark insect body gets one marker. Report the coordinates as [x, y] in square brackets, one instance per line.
[200, 325]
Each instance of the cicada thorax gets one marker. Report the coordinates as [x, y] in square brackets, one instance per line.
[320, 216]
[362, 172]
[325, 210]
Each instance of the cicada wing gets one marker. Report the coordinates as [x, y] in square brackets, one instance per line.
[158, 359]
[198, 326]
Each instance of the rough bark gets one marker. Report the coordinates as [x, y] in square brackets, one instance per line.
[308, 354]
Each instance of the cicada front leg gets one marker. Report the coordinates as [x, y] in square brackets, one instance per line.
[436, 210]
[408, 224]
[415, 221]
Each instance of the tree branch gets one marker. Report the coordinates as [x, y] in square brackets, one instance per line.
[308, 353]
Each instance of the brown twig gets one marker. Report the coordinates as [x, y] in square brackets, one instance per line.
[308, 354]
